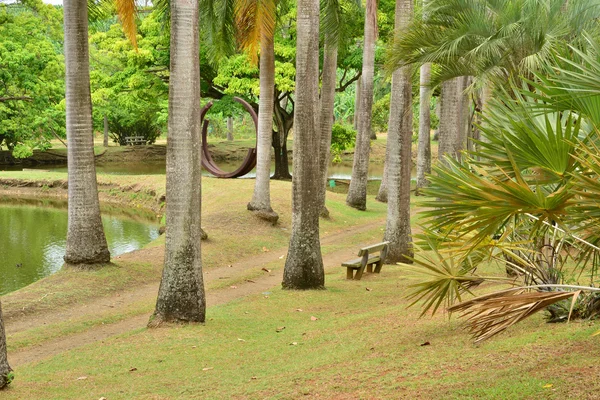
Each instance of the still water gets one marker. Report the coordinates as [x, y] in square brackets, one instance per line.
[32, 241]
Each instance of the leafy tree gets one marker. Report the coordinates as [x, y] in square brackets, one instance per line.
[130, 86]
[31, 77]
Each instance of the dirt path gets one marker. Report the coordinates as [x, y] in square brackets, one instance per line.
[120, 302]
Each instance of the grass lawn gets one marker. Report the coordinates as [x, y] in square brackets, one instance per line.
[346, 342]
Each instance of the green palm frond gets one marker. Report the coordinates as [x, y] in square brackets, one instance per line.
[218, 27]
[471, 200]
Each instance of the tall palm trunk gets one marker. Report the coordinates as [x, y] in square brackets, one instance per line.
[399, 163]
[450, 119]
[424, 146]
[382, 194]
[357, 193]
[4, 367]
[261, 199]
[304, 263]
[181, 295]
[86, 243]
[357, 102]
[330, 55]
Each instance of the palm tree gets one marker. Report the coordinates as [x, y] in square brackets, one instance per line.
[330, 54]
[304, 263]
[424, 144]
[450, 138]
[255, 21]
[533, 182]
[357, 193]
[332, 24]
[399, 162]
[86, 243]
[181, 295]
[4, 367]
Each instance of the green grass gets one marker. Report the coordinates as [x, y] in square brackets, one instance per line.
[365, 344]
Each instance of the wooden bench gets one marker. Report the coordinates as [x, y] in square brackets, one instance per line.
[135, 140]
[368, 256]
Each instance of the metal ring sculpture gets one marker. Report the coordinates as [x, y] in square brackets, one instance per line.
[208, 163]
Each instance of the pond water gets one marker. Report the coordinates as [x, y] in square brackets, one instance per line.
[32, 240]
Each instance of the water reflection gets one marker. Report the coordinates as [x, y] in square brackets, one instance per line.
[32, 241]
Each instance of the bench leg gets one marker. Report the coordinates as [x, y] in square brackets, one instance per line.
[370, 268]
[349, 273]
[378, 267]
[359, 273]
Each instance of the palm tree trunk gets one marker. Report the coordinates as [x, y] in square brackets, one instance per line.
[304, 263]
[357, 103]
[86, 243]
[261, 199]
[465, 118]
[181, 295]
[382, 195]
[330, 54]
[399, 163]
[357, 193]
[4, 367]
[424, 146]
[450, 122]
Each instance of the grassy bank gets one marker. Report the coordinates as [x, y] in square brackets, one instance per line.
[354, 340]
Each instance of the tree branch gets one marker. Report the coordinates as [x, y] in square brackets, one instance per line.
[23, 98]
[344, 86]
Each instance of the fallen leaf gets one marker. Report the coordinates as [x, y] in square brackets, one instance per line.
[294, 344]
[132, 369]
[253, 378]
[207, 368]
[230, 266]
[81, 378]
[280, 329]
[281, 257]
[102, 398]
[233, 287]
[193, 347]
[299, 309]
[266, 270]
[241, 340]
[368, 289]
[548, 386]
[264, 249]
[250, 280]
[313, 318]
[425, 344]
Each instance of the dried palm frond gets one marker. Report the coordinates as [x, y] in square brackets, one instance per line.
[491, 314]
[255, 21]
[126, 10]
